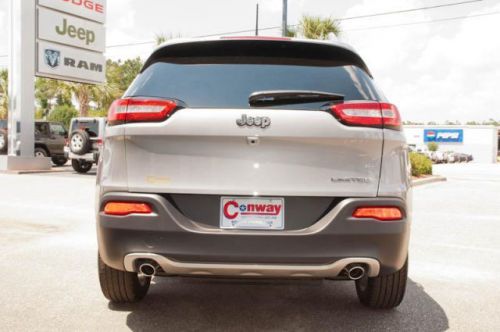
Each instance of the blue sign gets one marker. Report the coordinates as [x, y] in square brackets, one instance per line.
[444, 135]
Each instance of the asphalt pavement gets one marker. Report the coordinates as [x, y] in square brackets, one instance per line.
[49, 274]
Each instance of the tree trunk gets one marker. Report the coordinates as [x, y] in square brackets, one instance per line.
[83, 101]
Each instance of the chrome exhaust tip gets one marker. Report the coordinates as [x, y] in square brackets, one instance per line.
[355, 272]
[147, 269]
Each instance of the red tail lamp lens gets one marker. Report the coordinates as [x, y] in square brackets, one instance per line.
[368, 114]
[383, 213]
[140, 110]
[126, 208]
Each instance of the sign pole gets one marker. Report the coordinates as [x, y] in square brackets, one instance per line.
[21, 126]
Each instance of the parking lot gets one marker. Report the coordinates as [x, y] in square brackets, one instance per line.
[49, 279]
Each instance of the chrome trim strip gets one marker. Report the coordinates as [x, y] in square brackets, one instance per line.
[252, 270]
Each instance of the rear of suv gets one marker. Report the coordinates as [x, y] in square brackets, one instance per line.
[85, 142]
[254, 158]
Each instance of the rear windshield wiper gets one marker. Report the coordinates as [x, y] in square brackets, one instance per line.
[284, 97]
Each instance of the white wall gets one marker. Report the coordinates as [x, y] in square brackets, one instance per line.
[479, 141]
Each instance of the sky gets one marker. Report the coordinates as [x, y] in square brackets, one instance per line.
[432, 71]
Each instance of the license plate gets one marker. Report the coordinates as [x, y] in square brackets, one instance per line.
[252, 213]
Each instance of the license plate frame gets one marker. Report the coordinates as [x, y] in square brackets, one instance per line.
[252, 213]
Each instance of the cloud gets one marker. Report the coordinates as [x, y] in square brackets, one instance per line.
[433, 72]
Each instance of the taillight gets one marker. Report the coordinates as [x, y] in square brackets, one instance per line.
[140, 110]
[126, 208]
[383, 213]
[368, 114]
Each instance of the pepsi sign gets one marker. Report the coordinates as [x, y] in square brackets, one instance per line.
[444, 135]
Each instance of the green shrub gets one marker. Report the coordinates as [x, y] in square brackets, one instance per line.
[420, 164]
[432, 146]
[63, 113]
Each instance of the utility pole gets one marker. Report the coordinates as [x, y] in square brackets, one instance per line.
[284, 24]
[257, 20]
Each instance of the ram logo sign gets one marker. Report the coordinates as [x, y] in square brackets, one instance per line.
[52, 58]
[444, 135]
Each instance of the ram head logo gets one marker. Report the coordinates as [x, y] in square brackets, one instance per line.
[52, 58]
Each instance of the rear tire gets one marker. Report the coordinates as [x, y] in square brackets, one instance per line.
[3, 141]
[121, 286]
[383, 292]
[81, 166]
[41, 153]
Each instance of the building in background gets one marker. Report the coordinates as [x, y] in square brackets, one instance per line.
[481, 142]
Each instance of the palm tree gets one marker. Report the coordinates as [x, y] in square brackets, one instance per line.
[4, 91]
[85, 93]
[315, 27]
[160, 38]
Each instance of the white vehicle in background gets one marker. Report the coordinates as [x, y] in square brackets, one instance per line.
[439, 157]
[85, 142]
[450, 157]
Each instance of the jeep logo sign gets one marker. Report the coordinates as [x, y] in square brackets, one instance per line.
[257, 121]
[63, 62]
[69, 30]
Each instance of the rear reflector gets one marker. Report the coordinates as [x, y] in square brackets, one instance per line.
[368, 114]
[140, 110]
[383, 213]
[126, 208]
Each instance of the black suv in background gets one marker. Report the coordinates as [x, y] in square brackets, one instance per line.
[50, 138]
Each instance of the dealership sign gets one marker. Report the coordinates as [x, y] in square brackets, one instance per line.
[61, 62]
[71, 40]
[444, 135]
[69, 30]
[94, 10]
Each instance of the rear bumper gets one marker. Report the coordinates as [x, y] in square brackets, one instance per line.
[91, 156]
[182, 246]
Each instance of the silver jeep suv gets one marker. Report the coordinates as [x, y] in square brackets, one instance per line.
[254, 157]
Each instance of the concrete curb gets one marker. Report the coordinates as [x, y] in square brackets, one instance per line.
[61, 169]
[431, 179]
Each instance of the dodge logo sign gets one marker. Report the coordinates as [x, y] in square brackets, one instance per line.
[52, 58]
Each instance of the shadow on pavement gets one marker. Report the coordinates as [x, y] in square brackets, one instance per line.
[207, 304]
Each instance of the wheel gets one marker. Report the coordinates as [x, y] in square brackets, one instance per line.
[79, 142]
[81, 166]
[383, 292]
[41, 152]
[59, 161]
[121, 286]
[3, 141]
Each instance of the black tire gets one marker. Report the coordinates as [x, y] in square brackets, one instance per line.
[41, 152]
[81, 166]
[4, 141]
[383, 292]
[59, 161]
[121, 286]
[79, 142]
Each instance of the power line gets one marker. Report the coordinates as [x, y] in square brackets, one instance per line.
[423, 22]
[354, 17]
[409, 10]
[341, 19]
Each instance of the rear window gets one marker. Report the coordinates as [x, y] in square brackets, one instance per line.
[227, 82]
[91, 126]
